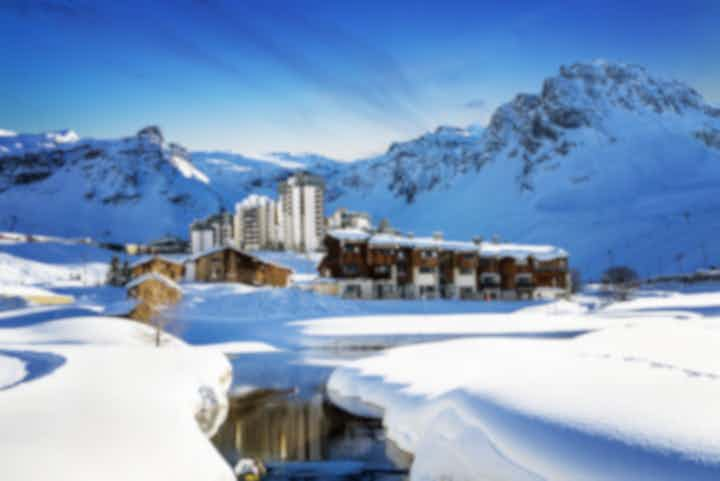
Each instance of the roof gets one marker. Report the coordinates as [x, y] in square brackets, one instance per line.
[488, 249]
[522, 251]
[153, 276]
[239, 251]
[350, 234]
[179, 259]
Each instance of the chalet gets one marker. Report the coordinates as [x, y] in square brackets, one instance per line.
[229, 264]
[169, 266]
[385, 264]
[153, 292]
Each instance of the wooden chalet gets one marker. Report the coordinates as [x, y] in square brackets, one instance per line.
[229, 264]
[154, 292]
[170, 267]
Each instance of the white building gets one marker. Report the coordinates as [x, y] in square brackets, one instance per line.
[345, 219]
[302, 197]
[215, 231]
[256, 223]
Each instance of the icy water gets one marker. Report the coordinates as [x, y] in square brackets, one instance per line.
[290, 426]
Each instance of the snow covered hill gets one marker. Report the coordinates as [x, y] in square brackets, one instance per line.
[612, 163]
[131, 189]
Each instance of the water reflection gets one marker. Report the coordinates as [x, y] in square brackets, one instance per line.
[290, 426]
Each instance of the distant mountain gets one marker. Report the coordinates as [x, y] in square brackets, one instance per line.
[615, 164]
[130, 189]
[612, 163]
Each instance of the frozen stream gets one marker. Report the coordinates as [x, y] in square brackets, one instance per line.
[287, 423]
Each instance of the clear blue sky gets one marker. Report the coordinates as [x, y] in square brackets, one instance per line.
[343, 78]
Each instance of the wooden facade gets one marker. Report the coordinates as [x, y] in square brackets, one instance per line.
[458, 270]
[232, 265]
[153, 293]
[159, 265]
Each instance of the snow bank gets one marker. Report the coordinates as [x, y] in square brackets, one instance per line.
[628, 402]
[117, 409]
[11, 371]
[53, 264]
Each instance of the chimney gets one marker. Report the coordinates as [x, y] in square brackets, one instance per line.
[496, 239]
[410, 235]
[477, 240]
[437, 235]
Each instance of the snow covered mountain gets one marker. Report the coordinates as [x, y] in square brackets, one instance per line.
[132, 189]
[612, 163]
[607, 160]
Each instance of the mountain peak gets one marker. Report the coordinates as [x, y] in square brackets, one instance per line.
[151, 133]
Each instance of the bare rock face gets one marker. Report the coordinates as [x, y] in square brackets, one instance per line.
[152, 134]
[710, 137]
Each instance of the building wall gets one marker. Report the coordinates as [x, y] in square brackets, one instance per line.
[160, 266]
[152, 295]
[231, 266]
[452, 274]
[303, 212]
[201, 240]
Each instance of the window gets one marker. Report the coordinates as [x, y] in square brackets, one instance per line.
[427, 270]
[466, 292]
[465, 271]
[351, 249]
[427, 290]
[350, 269]
[428, 254]
[353, 290]
[381, 269]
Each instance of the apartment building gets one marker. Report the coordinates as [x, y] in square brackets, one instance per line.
[302, 198]
[214, 231]
[343, 218]
[382, 264]
[257, 223]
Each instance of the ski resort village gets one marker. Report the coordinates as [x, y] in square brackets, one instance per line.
[494, 267]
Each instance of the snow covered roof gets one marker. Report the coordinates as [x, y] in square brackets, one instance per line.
[489, 249]
[239, 251]
[153, 276]
[349, 234]
[522, 251]
[173, 259]
[253, 200]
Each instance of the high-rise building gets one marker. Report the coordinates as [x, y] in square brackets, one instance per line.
[256, 223]
[302, 197]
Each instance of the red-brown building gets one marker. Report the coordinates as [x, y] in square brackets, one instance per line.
[388, 265]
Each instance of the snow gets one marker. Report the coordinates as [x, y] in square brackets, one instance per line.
[254, 200]
[633, 399]
[350, 234]
[239, 251]
[153, 276]
[494, 249]
[171, 258]
[114, 408]
[11, 371]
[187, 169]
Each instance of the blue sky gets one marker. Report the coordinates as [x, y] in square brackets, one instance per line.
[342, 78]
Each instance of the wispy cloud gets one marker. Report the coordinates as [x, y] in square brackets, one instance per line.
[357, 75]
